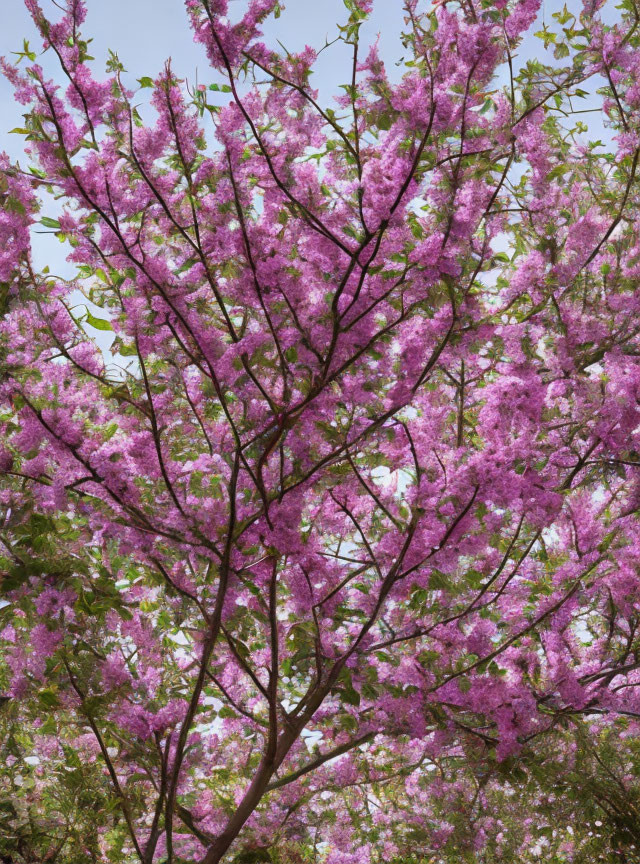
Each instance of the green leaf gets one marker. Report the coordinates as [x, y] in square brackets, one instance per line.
[98, 323]
[49, 223]
[558, 171]
[27, 51]
[606, 543]
[49, 727]
[439, 581]
[145, 81]
[352, 232]
[119, 347]
[286, 667]
[187, 265]
[49, 698]
[384, 121]
[350, 696]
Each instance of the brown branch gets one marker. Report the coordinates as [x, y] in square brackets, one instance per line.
[320, 760]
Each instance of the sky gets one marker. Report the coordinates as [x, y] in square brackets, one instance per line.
[145, 33]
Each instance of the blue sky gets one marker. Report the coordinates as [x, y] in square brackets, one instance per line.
[147, 32]
[144, 33]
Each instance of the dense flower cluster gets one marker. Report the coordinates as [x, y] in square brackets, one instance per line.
[350, 525]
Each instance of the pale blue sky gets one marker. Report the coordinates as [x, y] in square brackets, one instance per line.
[146, 32]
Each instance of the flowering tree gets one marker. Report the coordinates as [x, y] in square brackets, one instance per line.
[343, 541]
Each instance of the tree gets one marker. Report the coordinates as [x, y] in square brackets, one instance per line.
[343, 543]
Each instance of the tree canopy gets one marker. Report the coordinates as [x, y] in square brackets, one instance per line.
[319, 490]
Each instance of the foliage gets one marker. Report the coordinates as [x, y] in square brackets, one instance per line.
[337, 556]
